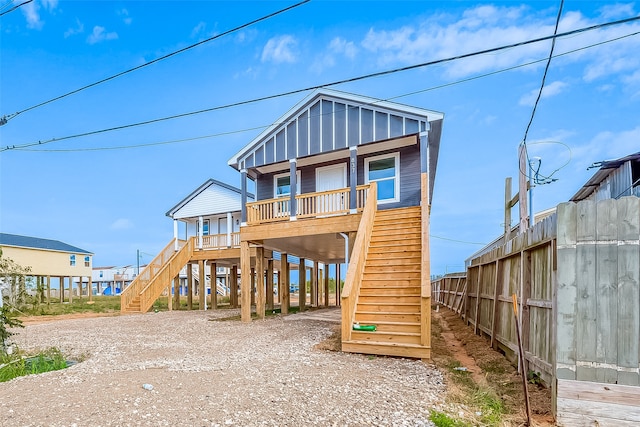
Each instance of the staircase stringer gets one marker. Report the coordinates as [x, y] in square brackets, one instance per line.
[165, 275]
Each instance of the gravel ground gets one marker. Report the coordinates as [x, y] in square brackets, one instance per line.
[209, 373]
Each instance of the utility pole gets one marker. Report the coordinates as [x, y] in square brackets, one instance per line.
[138, 263]
[522, 188]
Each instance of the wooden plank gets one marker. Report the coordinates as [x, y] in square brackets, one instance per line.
[260, 283]
[202, 293]
[233, 287]
[326, 285]
[302, 285]
[189, 286]
[586, 314]
[303, 227]
[589, 391]
[496, 294]
[314, 284]
[566, 292]
[284, 284]
[245, 282]
[607, 289]
[269, 303]
[628, 329]
[213, 274]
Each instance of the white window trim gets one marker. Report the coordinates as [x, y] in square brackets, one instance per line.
[275, 184]
[341, 166]
[396, 191]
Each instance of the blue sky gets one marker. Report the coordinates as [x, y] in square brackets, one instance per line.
[113, 202]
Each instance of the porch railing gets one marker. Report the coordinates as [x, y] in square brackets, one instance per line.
[220, 241]
[309, 205]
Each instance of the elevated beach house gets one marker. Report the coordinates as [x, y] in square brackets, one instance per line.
[348, 178]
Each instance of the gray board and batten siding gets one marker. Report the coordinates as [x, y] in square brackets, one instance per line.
[409, 177]
[330, 121]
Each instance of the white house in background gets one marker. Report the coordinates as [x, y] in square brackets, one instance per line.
[111, 280]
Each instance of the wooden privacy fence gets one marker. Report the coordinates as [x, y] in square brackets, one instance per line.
[525, 266]
[577, 278]
[449, 290]
[598, 305]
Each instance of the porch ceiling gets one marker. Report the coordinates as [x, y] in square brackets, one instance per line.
[326, 248]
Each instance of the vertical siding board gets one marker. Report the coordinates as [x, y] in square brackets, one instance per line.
[314, 130]
[327, 126]
[628, 291]
[354, 125]
[382, 125]
[281, 149]
[586, 289]
[303, 135]
[607, 299]
[340, 132]
[566, 292]
[269, 151]
[366, 125]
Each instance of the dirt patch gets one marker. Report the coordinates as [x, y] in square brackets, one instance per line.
[333, 342]
[454, 344]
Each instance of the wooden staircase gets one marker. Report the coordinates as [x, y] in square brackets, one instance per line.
[145, 289]
[389, 294]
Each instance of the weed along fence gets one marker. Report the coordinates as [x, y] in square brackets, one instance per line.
[577, 278]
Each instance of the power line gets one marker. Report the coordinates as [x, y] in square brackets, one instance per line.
[544, 77]
[457, 241]
[15, 7]
[386, 99]
[335, 83]
[122, 73]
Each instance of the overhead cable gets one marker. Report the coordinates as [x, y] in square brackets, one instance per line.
[335, 83]
[146, 64]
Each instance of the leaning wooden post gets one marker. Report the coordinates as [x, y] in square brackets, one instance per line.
[245, 281]
[260, 297]
[521, 354]
[214, 285]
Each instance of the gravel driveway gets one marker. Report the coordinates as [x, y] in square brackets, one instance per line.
[209, 373]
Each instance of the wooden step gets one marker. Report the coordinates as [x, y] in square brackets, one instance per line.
[399, 261]
[389, 299]
[380, 316]
[397, 228]
[388, 308]
[382, 326]
[393, 246]
[391, 277]
[387, 349]
[390, 291]
[396, 270]
[398, 240]
[377, 337]
[384, 282]
[399, 213]
[376, 253]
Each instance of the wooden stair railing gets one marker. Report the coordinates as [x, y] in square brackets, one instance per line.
[357, 262]
[131, 299]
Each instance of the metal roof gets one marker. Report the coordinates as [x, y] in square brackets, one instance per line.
[199, 190]
[15, 240]
[606, 168]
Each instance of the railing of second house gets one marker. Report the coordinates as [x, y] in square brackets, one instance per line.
[146, 275]
[351, 290]
[309, 205]
[220, 241]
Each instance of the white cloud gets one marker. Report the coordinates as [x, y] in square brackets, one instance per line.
[483, 27]
[617, 11]
[124, 13]
[79, 28]
[550, 89]
[338, 47]
[198, 29]
[100, 34]
[50, 4]
[607, 145]
[121, 224]
[31, 13]
[280, 49]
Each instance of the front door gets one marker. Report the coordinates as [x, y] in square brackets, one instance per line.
[329, 178]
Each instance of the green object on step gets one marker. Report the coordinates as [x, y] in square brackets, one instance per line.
[359, 327]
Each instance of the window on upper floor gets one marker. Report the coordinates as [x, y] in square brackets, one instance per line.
[87, 261]
[282, 184]
[385, 171]
[72, 260]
